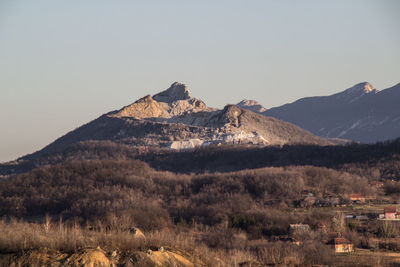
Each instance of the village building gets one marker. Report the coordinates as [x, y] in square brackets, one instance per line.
[342, 245]
[390, 213]
[358, 198]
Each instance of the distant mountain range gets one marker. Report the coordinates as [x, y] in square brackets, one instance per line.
[173, 119]
[360, 113]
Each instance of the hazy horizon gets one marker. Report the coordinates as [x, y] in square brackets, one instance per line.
[64, 64]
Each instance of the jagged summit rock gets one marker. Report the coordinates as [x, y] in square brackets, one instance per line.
[177, 91]
[172, 102]
[252, 105]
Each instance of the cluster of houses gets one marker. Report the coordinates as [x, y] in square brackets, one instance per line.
[337, 242]
[389, 213]
[342, 245]
[310, 200]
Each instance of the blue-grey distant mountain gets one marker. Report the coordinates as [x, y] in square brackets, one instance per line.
[360, 113]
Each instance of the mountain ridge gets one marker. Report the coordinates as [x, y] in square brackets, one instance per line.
[360, 113]
[173, 119]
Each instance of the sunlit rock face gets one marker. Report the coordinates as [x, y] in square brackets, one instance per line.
[172, 102]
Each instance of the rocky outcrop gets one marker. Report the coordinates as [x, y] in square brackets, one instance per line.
[174, 101]
[177, 91]
[136, 233]
[186, 144]
[144, 108]
[90, 257]
[251, 105]
[230, 116]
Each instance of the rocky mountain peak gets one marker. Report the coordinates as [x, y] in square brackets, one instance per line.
[357, 92]
[360, 113]
[172, 102]
[230, 114]
[368, 88]
[177, 91]
[251, 105]
[364, 87]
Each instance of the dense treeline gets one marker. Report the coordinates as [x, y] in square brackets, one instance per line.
[384, 156]
[100, 189]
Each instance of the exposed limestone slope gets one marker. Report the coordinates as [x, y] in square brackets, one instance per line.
[129, 131]
[266, 130]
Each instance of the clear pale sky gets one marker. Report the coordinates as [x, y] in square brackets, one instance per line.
[64, 63]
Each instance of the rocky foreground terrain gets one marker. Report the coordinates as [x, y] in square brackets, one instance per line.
[100, 257]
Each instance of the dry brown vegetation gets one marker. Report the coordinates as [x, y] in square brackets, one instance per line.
[224, 216]
[87, 191]
[22, 236]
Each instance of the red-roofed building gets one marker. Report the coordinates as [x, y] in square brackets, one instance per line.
[390, 212]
